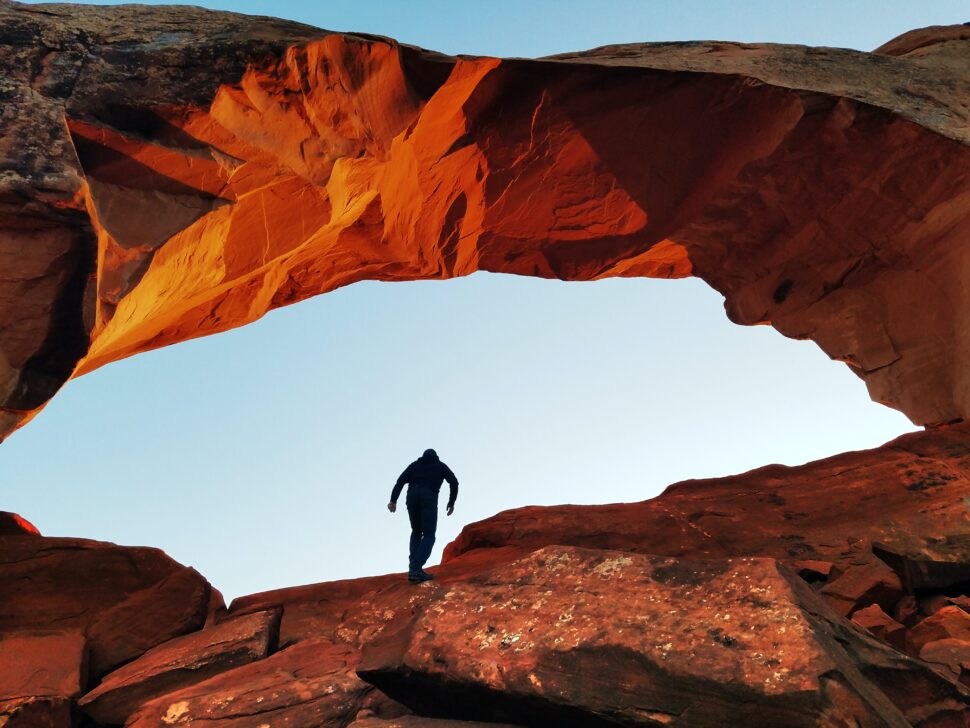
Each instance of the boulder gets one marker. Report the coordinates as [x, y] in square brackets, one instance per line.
[948, 623]
[180, 662]
[863, 581]
[308, 684]
[174, 606]
[42, 665]
[49, 582]
[952, 654]
[880, 625]
[35, 713]
[577, 637]
[13, 525]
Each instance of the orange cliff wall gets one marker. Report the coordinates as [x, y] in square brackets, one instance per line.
[175, 174]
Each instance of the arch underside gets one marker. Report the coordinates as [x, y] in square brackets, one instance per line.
[812, 207]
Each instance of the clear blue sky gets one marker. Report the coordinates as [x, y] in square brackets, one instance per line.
[264, 457]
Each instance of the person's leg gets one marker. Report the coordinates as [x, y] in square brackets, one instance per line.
[429, 523]
[414, 515]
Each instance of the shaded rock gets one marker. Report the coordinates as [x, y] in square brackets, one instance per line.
[146, 151]
[948, 623]
[69, 582]
[42, 665]
[174, 606]
[953, 654]
[12, 524]
[811, 570]
[35, 713]
[906, 612]
[309, 684]
[880, 625]
[907, 495]
[414, 721]
[576, 637]
[182, 661]
[863, 581]
[919, 573]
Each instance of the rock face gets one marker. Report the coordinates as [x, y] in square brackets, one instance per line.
[180, 662]
[573, 637]
[170, 173]
[173, 172]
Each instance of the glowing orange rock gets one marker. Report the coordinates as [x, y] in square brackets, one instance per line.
[175, 173]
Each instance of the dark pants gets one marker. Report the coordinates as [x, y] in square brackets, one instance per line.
[423, 512]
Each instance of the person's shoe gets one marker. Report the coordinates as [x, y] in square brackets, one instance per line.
[426, 575]
[416, 577]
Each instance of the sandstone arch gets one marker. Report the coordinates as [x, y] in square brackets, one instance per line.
[171, 174]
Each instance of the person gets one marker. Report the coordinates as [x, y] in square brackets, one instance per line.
[423, 478]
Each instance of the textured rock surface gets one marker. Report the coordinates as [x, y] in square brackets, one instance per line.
[175, 605]
[35, 713]
[180, 662]
[309, 684]
[582, 637]
[824, 511]
[170, 173]
[72, 583]
[42, 665]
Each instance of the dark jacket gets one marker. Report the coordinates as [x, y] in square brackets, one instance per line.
[427, 473]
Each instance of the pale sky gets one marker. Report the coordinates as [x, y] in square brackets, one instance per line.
[264, 457]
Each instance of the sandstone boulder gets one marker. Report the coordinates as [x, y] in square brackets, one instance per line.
[308, 684]
[880, 625]
[948, 623]
[952, 654]
[579, 637]
[174, 606]
[182, 661]
[863, 581]
[49, 582]
[413, 721]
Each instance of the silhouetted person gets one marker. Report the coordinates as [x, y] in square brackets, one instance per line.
[423, 477]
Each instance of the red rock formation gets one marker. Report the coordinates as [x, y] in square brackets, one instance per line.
[13, 525]
[180, 662]
[573, 637]
[823, 511]
[250, 163]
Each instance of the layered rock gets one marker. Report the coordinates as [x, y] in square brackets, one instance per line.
[173, 173]
[180, 662]
[574, 637]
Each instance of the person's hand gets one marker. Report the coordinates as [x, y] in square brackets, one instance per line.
[451, 509]
[392, 507]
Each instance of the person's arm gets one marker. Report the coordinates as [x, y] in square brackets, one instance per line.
[396, 492]
[453, 487]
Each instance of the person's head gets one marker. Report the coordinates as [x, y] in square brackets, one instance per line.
[430, 454]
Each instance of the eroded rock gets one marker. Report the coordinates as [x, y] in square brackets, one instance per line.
[171, 174]
[182, 661]
[50, 665]
[308, 684]
[580, 637]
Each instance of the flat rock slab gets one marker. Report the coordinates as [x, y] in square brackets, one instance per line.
[576, 637]
[181, 662]
[42, 665]
[35, 713]
[309, 684]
